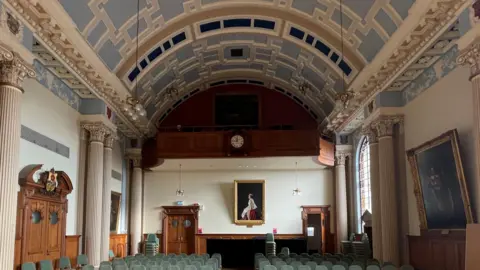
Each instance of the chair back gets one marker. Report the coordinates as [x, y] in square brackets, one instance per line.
[355, 267]
[82, 260]
[338, 267]
[120, 267]
[373, 267]
[88, 267]
[28, 266]
[286, 267]
[322, 267]
[46, 265]
[138, 267]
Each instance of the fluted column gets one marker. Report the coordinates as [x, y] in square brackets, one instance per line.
[94, 191]
[136, 201]
[470, 57]
[388, 195]
[12, 72]
[107, 195]
[82, 159]
[341, 213]
[375, 193]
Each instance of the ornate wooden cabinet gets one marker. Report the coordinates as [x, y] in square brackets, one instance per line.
[42, 214]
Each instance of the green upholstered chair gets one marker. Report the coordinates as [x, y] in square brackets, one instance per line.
[338, 267]
[151, 245]
[311, 264]
[322, 267]
[46, 265]
[286, 267]
[82, 260]
[64, 263]
[120, 267]
[138, 267]
[218, 256]
[355, 267]
[88, 267]
[28, 266]
[105, 267]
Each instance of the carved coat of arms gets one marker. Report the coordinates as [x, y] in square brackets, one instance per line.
[51, 183]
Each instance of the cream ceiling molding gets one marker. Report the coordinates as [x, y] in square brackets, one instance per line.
[269, 82]
[431, 24]
[52, 36]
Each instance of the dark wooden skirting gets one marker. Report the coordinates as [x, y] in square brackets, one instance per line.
[201, 239]
[72, 246]
[436, 251]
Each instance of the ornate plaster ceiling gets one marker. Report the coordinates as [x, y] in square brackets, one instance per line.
[191, 42]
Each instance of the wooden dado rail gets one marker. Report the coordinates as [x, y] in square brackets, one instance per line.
[201, 239]
[258, 143]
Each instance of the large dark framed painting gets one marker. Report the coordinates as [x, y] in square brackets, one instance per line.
[439, 184]
[115, 211]
[249, 202]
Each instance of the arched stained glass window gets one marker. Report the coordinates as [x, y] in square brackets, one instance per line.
[364, 177]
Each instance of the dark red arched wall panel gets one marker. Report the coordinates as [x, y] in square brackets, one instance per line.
[275, 108]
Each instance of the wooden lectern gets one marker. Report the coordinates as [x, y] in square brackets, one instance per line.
[472, 260]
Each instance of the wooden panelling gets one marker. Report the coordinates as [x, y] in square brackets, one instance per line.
[472, 260]
[436, 251]
[201, 239]
[328, 241]
[72, 245]
[327, 153]
[118, 244]
[263, 143]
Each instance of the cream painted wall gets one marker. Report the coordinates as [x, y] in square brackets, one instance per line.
[48, 115]
[445, 106]
[215, 189]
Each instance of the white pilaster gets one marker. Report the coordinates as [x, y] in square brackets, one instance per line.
[12, 72]
[470, 57]
[375, 190]
[107, 195]
[388, 195]
[94, 191]
[136, 201]
[341, 213]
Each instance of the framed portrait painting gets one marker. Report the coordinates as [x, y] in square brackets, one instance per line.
[439, 184]
[249, 205]
[115, 211]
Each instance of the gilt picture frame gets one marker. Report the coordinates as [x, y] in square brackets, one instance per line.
[116, 198]
[440, 189]
[249, 202]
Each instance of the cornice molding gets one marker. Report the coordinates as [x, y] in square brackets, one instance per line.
[13, 70]
[431, 24]
[50, 33]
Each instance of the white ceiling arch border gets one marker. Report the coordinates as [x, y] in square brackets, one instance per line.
[269, 82]
[427, 21]
[50, 34]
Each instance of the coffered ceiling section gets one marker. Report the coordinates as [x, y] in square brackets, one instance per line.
[281, 43]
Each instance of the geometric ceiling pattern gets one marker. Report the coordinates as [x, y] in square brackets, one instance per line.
[196, 44]
[286, 51]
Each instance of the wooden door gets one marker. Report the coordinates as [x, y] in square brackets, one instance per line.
[180, 224]
[54, 231]
[35, 222]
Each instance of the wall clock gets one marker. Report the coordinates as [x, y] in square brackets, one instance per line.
[237, 141]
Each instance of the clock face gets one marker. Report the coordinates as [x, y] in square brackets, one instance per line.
[237, 141]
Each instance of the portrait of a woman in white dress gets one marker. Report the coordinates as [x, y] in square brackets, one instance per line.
[250, 212]
[249, 202]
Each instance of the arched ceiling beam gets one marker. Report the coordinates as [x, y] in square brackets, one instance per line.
[245, 9]
[203, 85]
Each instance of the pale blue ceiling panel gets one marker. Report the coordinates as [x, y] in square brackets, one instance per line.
[120, 11]
[98, 31]
[371, 45]
[386, 22]
[110, 55]
[344, 20]
[283, 73]
[185, 53]
[171, 9]
[291, 49]
[79, 11]
[191, 75]
[132, 31]
[402, 7]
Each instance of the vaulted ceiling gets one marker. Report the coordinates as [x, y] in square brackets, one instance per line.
[194, 44]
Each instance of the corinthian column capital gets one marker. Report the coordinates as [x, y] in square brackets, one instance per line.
[470, 56]
[342, 151]
[383, 127]
[13, 70]
[109, 139]
[98, 131]
[135, 155]
[370, 133]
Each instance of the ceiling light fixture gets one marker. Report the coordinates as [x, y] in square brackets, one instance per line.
[296, 191]
[132, 106]
[303, 86]
[342, 100]
[180, 191]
